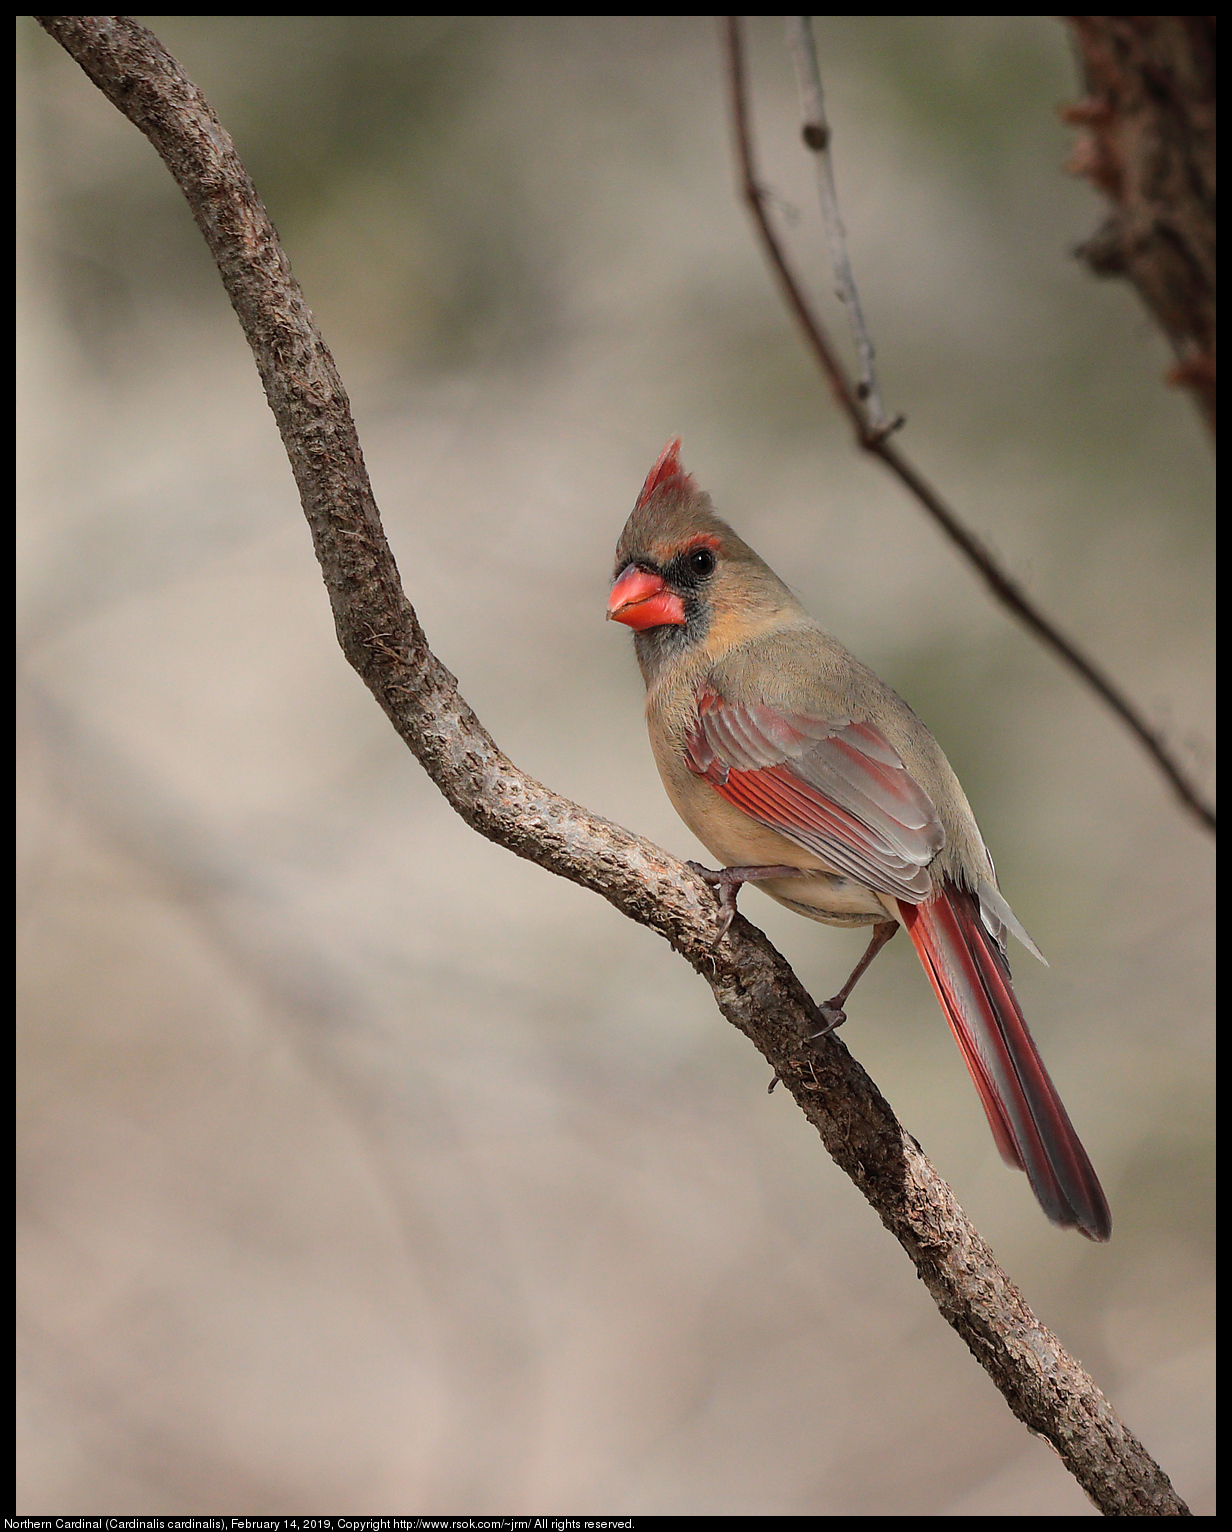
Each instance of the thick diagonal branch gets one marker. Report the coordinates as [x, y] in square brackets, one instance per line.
[380, 635]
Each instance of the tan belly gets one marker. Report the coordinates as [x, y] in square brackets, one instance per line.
[831, 898]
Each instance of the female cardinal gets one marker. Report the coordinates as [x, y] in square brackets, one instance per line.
[802, 771]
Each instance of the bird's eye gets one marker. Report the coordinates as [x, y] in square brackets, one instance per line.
[701, 562]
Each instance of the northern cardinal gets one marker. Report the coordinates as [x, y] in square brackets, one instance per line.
[800, 770]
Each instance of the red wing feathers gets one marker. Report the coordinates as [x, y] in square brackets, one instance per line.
[1031, 1127]
[837, 788]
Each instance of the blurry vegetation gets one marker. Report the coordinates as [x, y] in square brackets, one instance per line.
[349, 128]
[431, 223]
[401, 190]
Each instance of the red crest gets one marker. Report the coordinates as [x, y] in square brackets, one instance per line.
[664, 471]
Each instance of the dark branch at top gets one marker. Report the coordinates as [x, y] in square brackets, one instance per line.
[1147, 142]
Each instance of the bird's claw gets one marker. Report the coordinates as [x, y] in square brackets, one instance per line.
[833, 1016]
[726, 888]
[729, 880]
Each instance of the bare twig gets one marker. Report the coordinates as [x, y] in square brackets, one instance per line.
[816, 135]
[381, 637]
[875, 441]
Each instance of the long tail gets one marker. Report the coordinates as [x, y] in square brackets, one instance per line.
[1031, 1127]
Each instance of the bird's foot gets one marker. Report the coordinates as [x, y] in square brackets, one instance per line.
[727, 882]
[726, 885]
[833, 1014]
[832, 1011]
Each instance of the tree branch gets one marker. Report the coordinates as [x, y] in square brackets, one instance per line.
[381, 637]
[874, 439]
[816, 135]
[1148, 144]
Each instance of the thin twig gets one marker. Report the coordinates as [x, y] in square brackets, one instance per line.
[816, 135]
[1003, 587]
[381, 637]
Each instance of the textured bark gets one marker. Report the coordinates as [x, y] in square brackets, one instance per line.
[381, 637]
[1148, 143]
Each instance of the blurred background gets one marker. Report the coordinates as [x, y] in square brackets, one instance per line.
[364, 1167]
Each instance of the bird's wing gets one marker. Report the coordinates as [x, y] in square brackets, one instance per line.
[836, 787]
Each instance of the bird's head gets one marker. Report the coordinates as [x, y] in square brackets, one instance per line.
[683, 579]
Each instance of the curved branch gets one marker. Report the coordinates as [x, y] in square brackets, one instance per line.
[381, 637]
[874, 438]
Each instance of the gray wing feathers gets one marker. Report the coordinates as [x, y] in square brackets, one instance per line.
[997, 916]
[849, 765]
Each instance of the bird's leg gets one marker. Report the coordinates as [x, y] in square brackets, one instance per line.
[728, 880]
[833, 1010]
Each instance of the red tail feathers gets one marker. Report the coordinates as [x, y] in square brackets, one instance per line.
[1031, 1127]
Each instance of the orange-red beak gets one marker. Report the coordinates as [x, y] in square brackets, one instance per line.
[642, 600]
